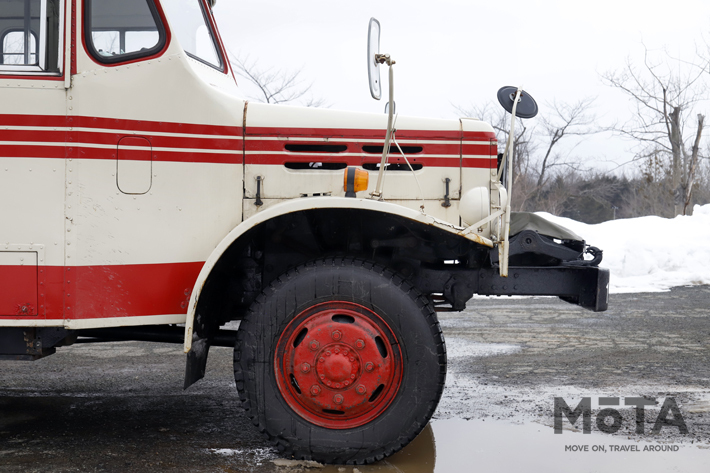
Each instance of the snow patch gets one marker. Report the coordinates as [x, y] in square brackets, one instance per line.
[256, 456]
[460, 347]
[297, 463]
[650, 254]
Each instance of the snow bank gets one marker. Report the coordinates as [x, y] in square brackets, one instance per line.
[650, 254]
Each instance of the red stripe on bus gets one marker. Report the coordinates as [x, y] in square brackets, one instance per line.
[120, 124]
[99, 292]
[73, 152]
[235, 130]
[27, 151]
[160, 156]
[131, 290]
[19, 291]
[485, 149]
[44, 136]
[131, 127]
[33, 120]
[478, 135]
[112, 139]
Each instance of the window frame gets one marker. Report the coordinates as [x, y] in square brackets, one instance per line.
[3, 53]
[217, 46]
[163, 38]
[41, 46]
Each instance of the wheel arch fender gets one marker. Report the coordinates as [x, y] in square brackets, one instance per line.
[297, 205]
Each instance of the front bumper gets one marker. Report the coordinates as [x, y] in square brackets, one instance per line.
[585, 286]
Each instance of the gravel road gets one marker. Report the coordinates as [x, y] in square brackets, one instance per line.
[120, 406]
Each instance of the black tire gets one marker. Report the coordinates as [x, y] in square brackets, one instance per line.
[415, 332]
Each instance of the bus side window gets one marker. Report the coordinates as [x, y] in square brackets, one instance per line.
[29, 36]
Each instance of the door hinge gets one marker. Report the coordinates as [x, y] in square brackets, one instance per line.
[447, 201]
[258, 201]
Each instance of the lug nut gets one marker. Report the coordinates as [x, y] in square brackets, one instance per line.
[337, 335]
[338, 399]
[336, 350]
[315, 390]
[321, 359]
[361, 389]
[346, 383]
[359, 344]
[314, 345]
[305, 367]
[369, 366]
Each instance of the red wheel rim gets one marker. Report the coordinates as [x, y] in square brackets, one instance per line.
[338, 365]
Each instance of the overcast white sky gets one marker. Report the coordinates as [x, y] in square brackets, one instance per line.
[461, 52]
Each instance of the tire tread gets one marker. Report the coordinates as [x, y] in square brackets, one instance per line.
[247, 325]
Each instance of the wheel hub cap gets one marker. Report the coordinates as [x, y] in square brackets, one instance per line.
[338, 365]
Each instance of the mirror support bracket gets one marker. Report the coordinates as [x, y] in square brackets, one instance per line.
[385, 59]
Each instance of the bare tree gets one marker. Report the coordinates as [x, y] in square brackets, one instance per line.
[275, 85]
[566, 120]
[536, 155]
[664, 93]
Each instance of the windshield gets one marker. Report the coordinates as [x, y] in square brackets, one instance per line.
[189, 24]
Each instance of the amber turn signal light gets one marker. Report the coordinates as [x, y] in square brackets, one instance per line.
[355, 180]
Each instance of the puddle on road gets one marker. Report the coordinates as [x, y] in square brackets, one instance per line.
[456, 445]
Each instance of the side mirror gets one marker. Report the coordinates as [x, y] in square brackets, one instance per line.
[213, 3]
[373, 67]
[527, 107]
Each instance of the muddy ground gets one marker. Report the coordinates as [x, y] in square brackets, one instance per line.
[120, 406]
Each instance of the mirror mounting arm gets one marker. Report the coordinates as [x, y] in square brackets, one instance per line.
[504, 245]
[374, 59]
[385, 58]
